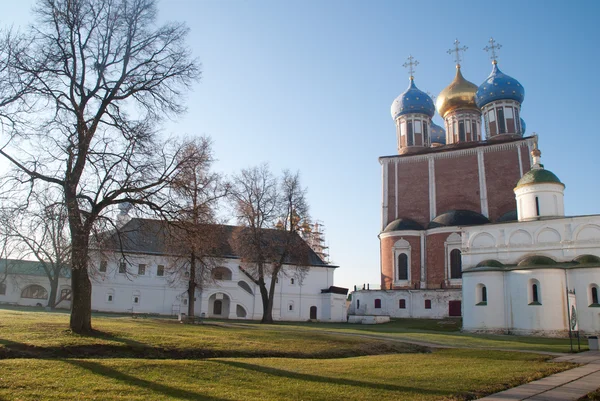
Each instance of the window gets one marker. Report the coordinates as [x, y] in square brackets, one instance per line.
[594, 295]
[291, 307]
[217, 307]
[461, 131]
[122, 267]
[34, 292]
[481, 295]
[402, 304]
[245, 286]
[455, 264]
[501, 123]
[185, 301]
[186, 274]
[136, 297]
[474, 131]
[535, 293]
[2, 289]
[292, 281]
[110, 295]
[358, 304]
[377, 303]
[65, 294]
[136, 300]
[409, 136]
[428, 304]
[109, 298]
[103, 265]
[402, 266]
[141, 269]
[240, 311]
[537, 206]
[222, 273]
[160, 271]
[425, 135]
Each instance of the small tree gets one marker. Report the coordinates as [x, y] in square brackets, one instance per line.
[92, 80]
[194, 231]
[270, 211]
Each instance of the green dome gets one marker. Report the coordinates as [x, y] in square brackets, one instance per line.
[536, 260]
[587, 259]
[539, 176]
[489, 263]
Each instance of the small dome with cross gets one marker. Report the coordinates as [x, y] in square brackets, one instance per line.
[412, 100]
[499, 86]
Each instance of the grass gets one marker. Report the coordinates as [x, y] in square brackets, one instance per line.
[157, 359]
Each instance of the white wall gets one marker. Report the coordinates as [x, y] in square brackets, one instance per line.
[490, 317]
[16, 283]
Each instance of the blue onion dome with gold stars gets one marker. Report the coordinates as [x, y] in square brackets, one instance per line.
[523, 126]
[499, 86]
[412, 100]
[437, 134]
[459, 95]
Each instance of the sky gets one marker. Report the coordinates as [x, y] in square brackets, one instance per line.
[308, 85]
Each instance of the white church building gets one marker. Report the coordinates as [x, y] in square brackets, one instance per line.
[135, 275]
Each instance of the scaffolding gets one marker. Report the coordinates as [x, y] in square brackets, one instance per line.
[314, 235]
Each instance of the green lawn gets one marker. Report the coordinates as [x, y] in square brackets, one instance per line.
[158, 359]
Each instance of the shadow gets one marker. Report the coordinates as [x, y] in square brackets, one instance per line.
[327, 379]
[170, 392]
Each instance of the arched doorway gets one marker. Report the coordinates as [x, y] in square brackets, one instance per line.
[218, 305]
[313, 313]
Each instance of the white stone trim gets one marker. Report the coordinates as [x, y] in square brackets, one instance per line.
[396, 187]
[482, 185]
[402, 246]
[454, 241]
[432, 197]
[520, 162]
[423, 283]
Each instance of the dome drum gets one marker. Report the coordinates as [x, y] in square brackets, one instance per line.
[412, 131]
[502, 118]
[463, 126]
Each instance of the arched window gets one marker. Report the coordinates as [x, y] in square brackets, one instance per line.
[402, 266]
[484, 294]
[221, 273]
[594, 295]
[240, 311]
[402, 304]
[358, 304]
[455, 264]
[245, 287]
[535, 293]
[34, 292]
[377, 303]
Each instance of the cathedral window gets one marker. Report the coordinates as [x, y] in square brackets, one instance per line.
[409, 134]
[402, 304]
[402, 266]
[122, 267]
[455, 264]
[501, 122]
[377, 303]
[594, 295]
[535, 296]
[474, 131]
[141, 269]
[160, 270]
[481, 295]
[428, 304]
[103, 265]
[537, 206]
[34, 291]
[461, 131]
[358, 304]
[425, 135]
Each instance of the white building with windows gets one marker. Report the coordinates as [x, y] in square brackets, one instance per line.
[539, 275]
[136, 274]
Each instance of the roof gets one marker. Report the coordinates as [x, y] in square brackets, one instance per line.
[537, 262]
[335, 290]
[458, 218]
[459, 146]
[159, 237]
[27, 268]
[539, 176]
[403, 224]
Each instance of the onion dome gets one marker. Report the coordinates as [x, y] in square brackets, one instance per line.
[523, 126]
[437, 134]
[460, 94]
[412, 100]
[499, 86]
[539, 176]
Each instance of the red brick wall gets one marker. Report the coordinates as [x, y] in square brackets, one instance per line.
[457, 184]
[501, 175]
[413, 192]
[435, 259]
[387, 260]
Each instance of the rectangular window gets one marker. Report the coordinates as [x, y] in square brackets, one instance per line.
[103, 265]
[508, 112]
[141, 269]
[377, 303]
[428, 304]
[402, 304]
[290, 307]
[122, 267]
[461, 131]
[2, 289]
[136, 300]
[501, 123]
[492, 116]
[109, 298]
[292, 281]
[425, 135]
[517, 121]
[160, 270]
[409, 134]
[537, 206]
[474, 131]
[417, 127]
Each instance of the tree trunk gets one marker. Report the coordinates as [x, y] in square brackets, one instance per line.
[192, 287]
[81, 286]
[267, 303]
[53, 292]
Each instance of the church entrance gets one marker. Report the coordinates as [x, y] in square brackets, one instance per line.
[313, 313]
[454, 308]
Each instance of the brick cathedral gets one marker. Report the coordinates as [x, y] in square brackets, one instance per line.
[443, 179]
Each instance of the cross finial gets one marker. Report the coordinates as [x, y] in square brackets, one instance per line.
[457, 51]
[493, 47]
[411, 63]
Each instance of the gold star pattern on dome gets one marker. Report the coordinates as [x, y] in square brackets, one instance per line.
[411, 63]
[457, 51]
[492, 48]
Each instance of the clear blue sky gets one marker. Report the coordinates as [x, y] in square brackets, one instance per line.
[308, 85]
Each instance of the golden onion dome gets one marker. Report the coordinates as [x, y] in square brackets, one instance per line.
[460, 94]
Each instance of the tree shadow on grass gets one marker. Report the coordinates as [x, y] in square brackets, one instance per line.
[329, 380]
[170, 392]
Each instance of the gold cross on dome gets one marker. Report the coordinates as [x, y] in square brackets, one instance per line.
[493, 47]
[411, 63]
[457, 51]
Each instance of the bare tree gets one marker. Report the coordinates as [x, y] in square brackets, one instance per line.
[98, 77]
[39, 230]
[197, 191]
[270, 211]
